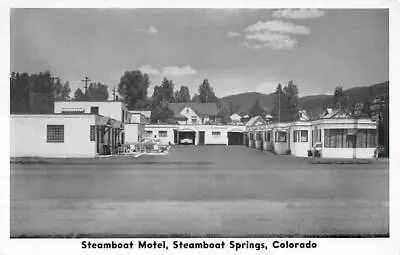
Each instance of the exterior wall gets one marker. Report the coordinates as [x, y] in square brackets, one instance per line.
[29, 136]
[300, 149]
[209, 139]
[134, 132]
[137, 118]
[169, 139]
[347, 152]
[111, 109]
[221, 139]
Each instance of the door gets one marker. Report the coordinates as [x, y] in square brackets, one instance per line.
[201, 137]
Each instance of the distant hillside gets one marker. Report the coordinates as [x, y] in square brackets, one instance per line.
[312, 104]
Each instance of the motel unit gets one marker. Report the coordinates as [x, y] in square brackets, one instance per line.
[339, 135]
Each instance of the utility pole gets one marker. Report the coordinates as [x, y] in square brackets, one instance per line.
[86, 80]
[279, 106]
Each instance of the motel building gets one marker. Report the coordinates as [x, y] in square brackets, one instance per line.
[81, 129]
[86, 129]
[338, 136]
[196, 125]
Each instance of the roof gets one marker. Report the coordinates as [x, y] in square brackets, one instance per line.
[335, 114]
[146, 114]
[201, 109]
[255, 120]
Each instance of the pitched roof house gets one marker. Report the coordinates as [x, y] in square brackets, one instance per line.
[193, 113]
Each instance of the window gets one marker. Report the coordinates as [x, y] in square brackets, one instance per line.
[162, 133]
[149, 133]
[336, 138]
[194, 120]
[216, 133]
[92, 133]
[366, 138]
[280, 136]
[304, 136]
[300, 136]
[55, 133]
[94, 110]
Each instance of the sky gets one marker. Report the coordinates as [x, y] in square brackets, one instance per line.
[237, 50]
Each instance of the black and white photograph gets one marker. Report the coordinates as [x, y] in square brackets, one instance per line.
[199, 123]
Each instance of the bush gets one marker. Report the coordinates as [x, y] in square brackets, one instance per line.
[288, 152]
[317, 154]
[309, 153]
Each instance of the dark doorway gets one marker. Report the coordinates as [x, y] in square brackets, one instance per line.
[235, 138]
[201, 137]
[187, 137]
[175, 136]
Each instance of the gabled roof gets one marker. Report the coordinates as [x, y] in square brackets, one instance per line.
[201, 109]
[257, 120]
[336, 114]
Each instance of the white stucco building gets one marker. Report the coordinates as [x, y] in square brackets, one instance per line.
[197, 134]
[339, 135]
[63, 135]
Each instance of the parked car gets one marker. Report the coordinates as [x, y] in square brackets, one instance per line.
[186, 141]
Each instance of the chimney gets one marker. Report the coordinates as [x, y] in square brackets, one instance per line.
[116, 98]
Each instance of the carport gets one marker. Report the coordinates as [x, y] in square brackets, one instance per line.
[235, 138]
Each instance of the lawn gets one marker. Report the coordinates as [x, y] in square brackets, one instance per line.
[199, 191]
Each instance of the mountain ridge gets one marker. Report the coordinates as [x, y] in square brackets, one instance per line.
[313, 104]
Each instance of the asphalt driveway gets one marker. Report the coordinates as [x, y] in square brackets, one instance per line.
[199, 191]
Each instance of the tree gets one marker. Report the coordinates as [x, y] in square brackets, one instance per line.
[66, 90]
[206, 93]
[79, 95]
[41, 87]
[196, 98]
[340, 100]
[162, 96]
[133, 87]
[256, 110]
[279, 97]
[97, 92]
[182, 95]
[19, 93]
[286, 102]
[292, 96]
[61, 91]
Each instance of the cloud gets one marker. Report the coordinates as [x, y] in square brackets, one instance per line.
[233, 34]
[272, 40]
[149, 70]
[279, 26]
[274, 34]
[168, 70]
[298, 13]
[152, 30]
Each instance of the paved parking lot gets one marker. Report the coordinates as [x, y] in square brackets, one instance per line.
[199, 191]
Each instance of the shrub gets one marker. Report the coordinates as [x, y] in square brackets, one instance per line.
[309, 153]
